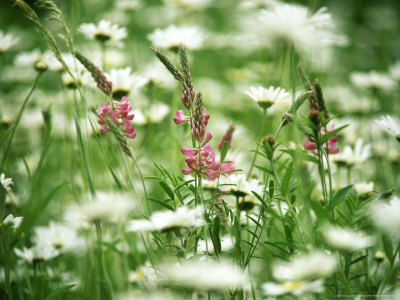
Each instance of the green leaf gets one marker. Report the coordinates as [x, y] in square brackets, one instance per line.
[271, 188]
[388, 247]
[162, 203]
[286, 179]
[167, 189]
[34, 213]
[59, 292]
[216, 232]
[3, 195]
[321, 212]
[327, 136]
[268, 150]
[339, 197]
[224, 151]
[84, 157]
[259, 198]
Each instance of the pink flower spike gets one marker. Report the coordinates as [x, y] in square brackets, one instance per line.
[208, 138]
[310, 146]
[180, 117]
[202, 163]
[205, 117]
[118, 113]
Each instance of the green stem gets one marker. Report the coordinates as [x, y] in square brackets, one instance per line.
[260, 137]
[143, 184]
[21, 111]
[104, 294]
[389, 271]
[321, 168]
[271, 166]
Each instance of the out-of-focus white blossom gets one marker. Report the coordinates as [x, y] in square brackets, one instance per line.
[173, 36]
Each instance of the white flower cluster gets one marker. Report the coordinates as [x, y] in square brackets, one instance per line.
[166, 220]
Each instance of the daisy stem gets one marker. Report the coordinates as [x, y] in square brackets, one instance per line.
[260, 137]
[19, 116]
[103, 55]
[104, 293]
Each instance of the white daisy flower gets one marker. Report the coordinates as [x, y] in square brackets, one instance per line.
[394, 71]
[105, 32]
[240, 187]
[6, 182]
[372, 80]
[350, 156]
[36, 253]
[155, 114]
[296, 288]
[257, 4]
[386, 215]
[157, 73]
[203, 275]
[7, 41]
[364, 187]
[226, 244]
[345, 239]
[294, 24]
[61, 237]
[191, 4]
[128, 5]
[13, 221]
[105, 207]
[28, 58]
[268, 97]
[167, 220]
[390, 125]
[312, 265]
[40, 61]
[124, 82]
[172, 36]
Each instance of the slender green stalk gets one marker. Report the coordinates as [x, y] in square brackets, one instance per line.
[389, 271]
[321, 169]
[260, 137]
[21, 111]
[143, 184]
[104, 292]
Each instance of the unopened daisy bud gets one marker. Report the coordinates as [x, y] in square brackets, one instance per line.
[227, 137]
[379, 256]
[41, 66]
[270, 139]
[102, 83]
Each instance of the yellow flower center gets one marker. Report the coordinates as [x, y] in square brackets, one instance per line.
[291, 285]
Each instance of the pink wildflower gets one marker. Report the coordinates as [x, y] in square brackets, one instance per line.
[200, 121]
[180, 117]
[227, 137]
[203, 164]
[118, 113]
[311, 146]
[186, 99]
